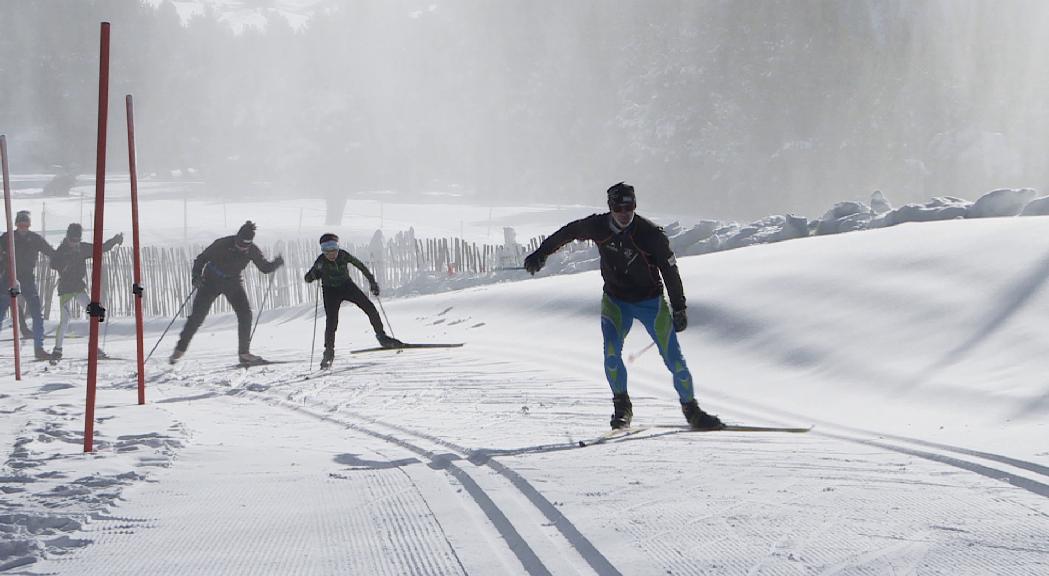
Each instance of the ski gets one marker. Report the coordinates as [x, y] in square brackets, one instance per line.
[406, 346]
[100, 359]
[747, 428]
[614, 434]
[740, 428]
[261, 363]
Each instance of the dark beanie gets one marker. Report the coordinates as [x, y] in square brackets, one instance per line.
[621, 194]
[22, 216]
[246, 232]
[75, 231]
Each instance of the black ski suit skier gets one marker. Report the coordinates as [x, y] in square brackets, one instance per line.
[332, 269]
[634, 254]
[28, 246]
[217, 271]
[70, 261]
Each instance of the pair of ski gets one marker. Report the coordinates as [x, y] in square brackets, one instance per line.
[619, 433]
[406, 346]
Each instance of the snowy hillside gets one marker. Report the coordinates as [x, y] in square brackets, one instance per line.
[918, 352]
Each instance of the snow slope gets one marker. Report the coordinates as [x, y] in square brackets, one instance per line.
[915, 350]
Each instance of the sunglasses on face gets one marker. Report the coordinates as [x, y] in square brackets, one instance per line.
[620, 208]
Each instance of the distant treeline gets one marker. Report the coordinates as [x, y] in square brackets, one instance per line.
[738, 108]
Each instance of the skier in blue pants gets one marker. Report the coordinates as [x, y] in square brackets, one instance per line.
[635, 255]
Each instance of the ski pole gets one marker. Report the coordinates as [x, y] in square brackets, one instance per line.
[105, 334]
[184, 302]
[637, 355]
[388, 325]
[261, 308]
[316, 307]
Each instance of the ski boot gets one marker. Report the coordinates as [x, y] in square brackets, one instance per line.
[249, 359]
[698, 419]
[101, 355]
[56, 355]
[176, 354]
[326, 360]
[40, 354]
[624, 411]
[387, 341]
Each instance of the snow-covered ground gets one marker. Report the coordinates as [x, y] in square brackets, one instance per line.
[917, 351]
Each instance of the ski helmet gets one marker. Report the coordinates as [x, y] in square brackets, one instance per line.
[74, 231]
[621, 195]
[327, 237]
[22, 217]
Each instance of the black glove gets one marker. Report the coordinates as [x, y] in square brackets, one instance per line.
[119, 238]
[309, 277]
[680, 320]
[375, 289]
[534, 262]
[278, 262]
[197, 281]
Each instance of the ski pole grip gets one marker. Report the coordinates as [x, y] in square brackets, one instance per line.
[95, 310]
[14, 292]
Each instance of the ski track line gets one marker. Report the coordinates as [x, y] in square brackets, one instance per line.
[524, 552]
[1016, 480]
[383, 526]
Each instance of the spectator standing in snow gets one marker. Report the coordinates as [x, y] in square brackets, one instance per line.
[635, 253]
[28, 246]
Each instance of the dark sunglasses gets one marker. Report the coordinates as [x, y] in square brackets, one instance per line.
[619, 208]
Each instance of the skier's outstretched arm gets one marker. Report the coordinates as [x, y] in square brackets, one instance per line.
[116, 239]
[577, 230]
[265, 266]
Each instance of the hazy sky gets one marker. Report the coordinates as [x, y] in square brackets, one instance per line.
[723, 109]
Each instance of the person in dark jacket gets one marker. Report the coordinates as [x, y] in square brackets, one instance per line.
[28, 246]
[70, 261]
[332, 269]
[635, 254]
[217, 271]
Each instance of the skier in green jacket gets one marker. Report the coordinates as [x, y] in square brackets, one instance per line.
[332, 269]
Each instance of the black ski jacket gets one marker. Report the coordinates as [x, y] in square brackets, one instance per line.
[70, 261]
[222, 261]
[28, 246]
[333, 274]
[632, 260]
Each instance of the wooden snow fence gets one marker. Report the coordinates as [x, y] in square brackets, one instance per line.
[167, 270]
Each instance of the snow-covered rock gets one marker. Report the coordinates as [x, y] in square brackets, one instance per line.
[1037, 207]
[844, 217]
[939, 208]
[879, 204]
[1004, 202]
[683, 241]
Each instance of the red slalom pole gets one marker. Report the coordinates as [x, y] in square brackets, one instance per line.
[12, 280]
[95, 309]
[136, 286]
